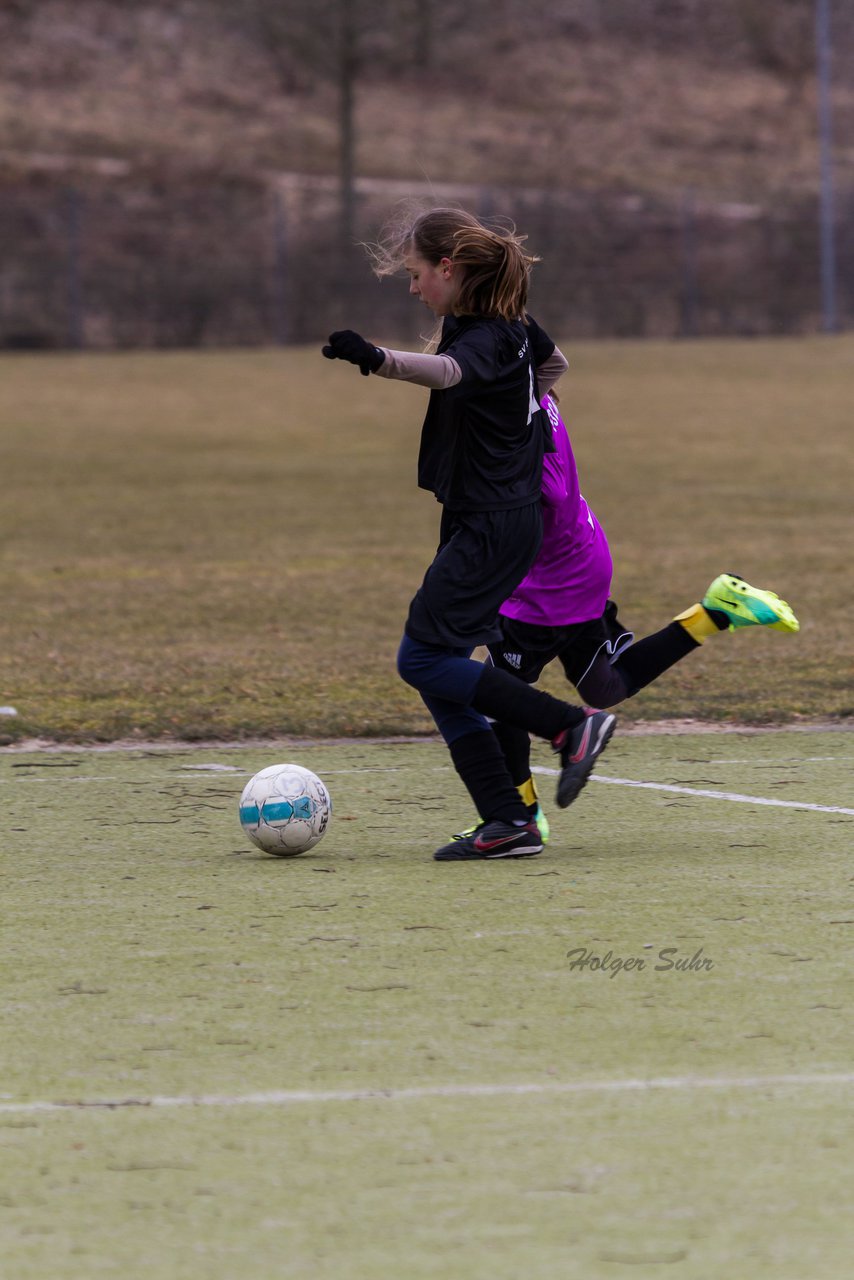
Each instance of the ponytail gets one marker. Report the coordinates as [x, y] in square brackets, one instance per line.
[497, 273]
[496, 269]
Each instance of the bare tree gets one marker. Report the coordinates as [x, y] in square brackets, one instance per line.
[336, 41]
[780, 36]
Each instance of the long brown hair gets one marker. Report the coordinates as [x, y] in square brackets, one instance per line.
[495, 267]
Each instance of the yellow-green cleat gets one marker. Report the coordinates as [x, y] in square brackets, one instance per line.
[747, 606]
[542, 825]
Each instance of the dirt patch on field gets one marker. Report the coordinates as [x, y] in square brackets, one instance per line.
[668, 728]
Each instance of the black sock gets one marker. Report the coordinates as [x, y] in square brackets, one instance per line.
[718, 617]
[516, 746]
[479, 761]
[646, 660]
[506, 698]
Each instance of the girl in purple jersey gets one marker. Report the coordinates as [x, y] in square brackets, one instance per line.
[561, 609]
[481, 454]
[570, 579]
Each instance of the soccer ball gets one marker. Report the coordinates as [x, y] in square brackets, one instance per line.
[285, 809]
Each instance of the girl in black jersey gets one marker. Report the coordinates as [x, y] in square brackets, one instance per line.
[481, 454]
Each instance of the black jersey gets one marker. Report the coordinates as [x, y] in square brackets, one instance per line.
[482, 441]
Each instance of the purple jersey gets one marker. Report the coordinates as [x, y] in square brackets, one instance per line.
[571, 577]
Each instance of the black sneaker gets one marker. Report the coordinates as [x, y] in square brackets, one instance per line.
[493, 840]
[578, 750]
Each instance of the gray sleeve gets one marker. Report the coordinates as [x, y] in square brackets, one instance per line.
[550, 370]
[436, 372]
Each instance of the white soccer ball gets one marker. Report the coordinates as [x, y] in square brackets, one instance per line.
[285, 809]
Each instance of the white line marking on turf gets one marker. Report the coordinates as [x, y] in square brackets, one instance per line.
[293, 1097]
[734, 796]
[79, 777]
[786, 762]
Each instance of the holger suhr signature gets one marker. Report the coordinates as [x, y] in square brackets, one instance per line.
[667, 959]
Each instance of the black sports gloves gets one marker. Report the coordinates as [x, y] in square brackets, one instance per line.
[347, 345]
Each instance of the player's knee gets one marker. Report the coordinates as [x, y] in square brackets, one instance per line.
[460, 723]
[414, 662]
[404, 662]
[603, 687]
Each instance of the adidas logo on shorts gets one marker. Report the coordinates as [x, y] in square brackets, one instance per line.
[513, 660]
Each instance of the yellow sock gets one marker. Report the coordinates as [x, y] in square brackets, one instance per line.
[528, 792]
[697, 623]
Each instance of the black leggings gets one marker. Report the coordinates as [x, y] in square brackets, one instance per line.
[586, 652]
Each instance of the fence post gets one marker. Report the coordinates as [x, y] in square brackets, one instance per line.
[825, 128]
[688, 255]
[73, 276]
[280, 269]
[486, 204]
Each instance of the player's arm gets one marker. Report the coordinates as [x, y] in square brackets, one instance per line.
[551, 369]
[549, 361]
[436, 372]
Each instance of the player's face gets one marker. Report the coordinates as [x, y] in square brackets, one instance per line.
[434, 283]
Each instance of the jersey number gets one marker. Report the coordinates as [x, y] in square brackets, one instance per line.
[533, 406]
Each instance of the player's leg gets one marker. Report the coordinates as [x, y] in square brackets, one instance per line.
[606, 670]
[577, 734]
[729, 603]
[515, 746]
[450, 676]
[523, 651]
[605, 679]
[483, 556]
[505, 830]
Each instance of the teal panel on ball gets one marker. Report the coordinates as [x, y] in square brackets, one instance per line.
[278, 810]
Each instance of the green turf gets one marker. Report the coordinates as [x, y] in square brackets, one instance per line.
[225, 545]
[155, 953]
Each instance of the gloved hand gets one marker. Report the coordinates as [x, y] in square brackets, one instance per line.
[347, 345]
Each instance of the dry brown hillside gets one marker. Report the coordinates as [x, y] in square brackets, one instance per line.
[638, 104]
[660, 100]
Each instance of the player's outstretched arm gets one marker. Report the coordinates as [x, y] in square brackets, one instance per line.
[435, 372]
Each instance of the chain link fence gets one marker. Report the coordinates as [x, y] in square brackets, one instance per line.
[124, 262]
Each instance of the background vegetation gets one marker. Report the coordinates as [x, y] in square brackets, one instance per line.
[197, 173]
[588, 93]
[225, 545]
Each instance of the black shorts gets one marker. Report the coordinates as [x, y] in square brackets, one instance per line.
[482, 558]
[526, 650]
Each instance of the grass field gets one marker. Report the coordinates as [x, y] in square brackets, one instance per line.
[225, 545]
[360, 1064]
[363, 1065]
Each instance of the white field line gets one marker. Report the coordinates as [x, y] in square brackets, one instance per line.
[790, 762]
[734, 796]
[296, 1097]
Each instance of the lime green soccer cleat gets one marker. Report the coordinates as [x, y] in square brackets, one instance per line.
[747, 606]
[539, 817]
[542, 825]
